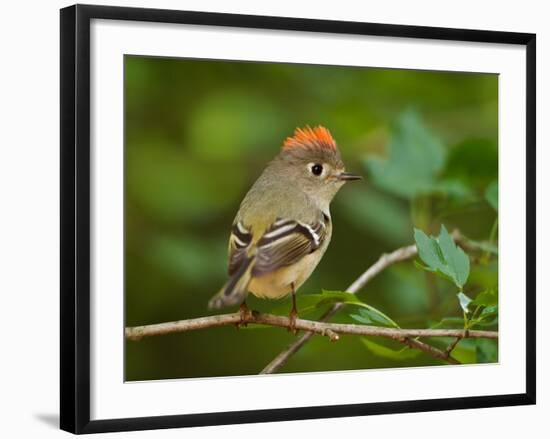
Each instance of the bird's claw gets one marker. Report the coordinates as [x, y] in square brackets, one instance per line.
[244, 313]
[292, 326]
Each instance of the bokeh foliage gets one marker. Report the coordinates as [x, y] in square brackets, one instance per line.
[197, 135]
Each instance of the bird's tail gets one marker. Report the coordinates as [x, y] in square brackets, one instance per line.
[235, 290]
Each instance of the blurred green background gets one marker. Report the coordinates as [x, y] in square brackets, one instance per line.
[197, 135]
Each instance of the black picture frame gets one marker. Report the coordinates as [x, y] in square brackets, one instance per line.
[75, 217]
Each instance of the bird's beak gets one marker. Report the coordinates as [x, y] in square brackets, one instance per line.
[346, 176]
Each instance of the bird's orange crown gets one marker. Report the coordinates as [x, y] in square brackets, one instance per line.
[307, 137]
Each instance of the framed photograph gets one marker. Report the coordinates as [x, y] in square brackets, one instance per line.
[268, 218]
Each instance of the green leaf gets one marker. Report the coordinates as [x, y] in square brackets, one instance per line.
[405, 353]
[464, 301]
[486, 350]
[443, 256]
[491, 195]
[367, 313]
[372, 317]
[431, 270]
[306, 303]
[486, 298]
[330, 296]
[415, 158]
[454, 189]
[428, 250]
[457, 260]
[437, 273]
[421, 266]
[366, 310]
[487, 317]
[489, 311]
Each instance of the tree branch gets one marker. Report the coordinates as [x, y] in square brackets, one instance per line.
[333, 331]
[330, 330]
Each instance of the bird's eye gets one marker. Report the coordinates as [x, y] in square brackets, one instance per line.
[317, 169]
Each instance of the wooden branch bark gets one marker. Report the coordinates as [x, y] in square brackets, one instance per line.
[333, 331]
[330, 330]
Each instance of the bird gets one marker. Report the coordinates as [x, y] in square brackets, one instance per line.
[283, 226]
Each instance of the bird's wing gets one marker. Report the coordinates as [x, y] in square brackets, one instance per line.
[240, 267]
[285, 242]
[239, 244]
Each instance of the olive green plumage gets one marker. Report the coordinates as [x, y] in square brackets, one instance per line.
[283, 226]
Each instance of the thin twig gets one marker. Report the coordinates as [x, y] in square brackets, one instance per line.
[330, 330]
[487, 247]
[455, 342]
[452, 345]
[431, 350]
[383, 262]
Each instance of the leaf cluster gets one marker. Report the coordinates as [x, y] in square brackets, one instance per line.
[442, 256]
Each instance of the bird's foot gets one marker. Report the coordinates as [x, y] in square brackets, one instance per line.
[293, 312]
[244, 313]
[292, 326]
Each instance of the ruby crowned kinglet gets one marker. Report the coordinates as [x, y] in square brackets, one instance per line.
[283, 226]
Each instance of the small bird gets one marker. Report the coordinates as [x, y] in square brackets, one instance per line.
[283, 226]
